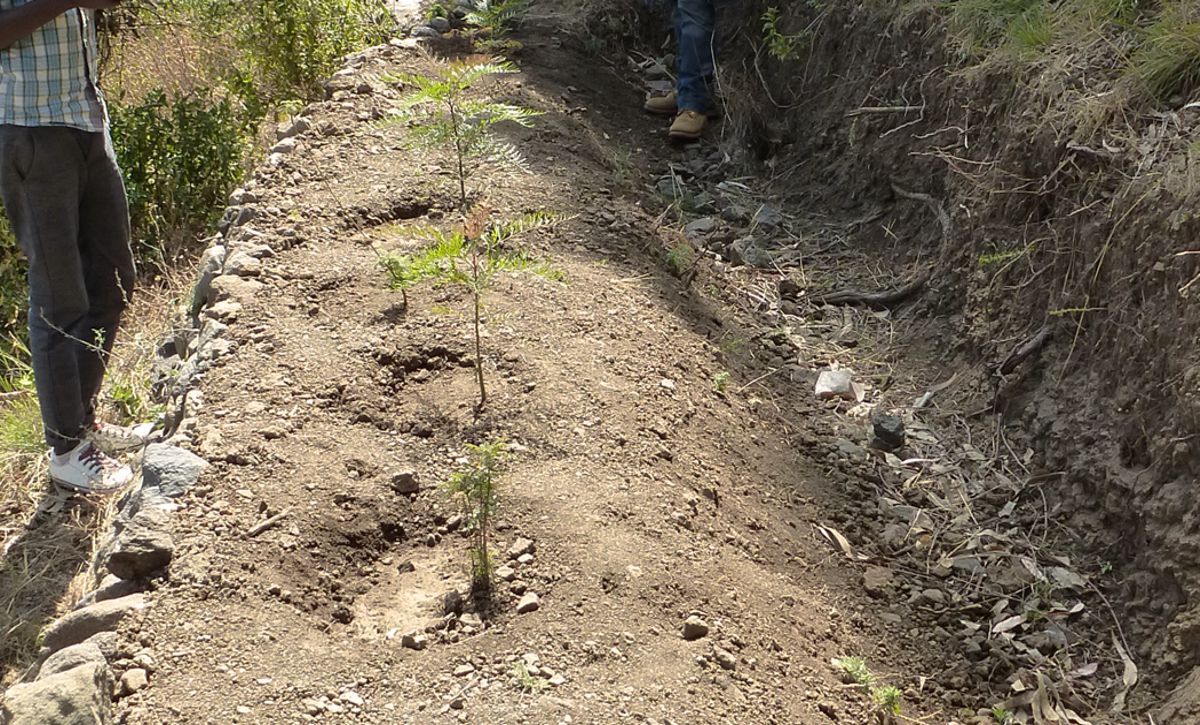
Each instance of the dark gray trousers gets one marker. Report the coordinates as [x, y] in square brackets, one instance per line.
[66, 201]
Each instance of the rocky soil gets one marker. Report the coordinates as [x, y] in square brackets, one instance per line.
[717, 483]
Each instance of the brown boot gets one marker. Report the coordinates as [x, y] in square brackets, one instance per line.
[661, 105]
[689, 125]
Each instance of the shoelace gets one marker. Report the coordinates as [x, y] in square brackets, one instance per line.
[95, 461]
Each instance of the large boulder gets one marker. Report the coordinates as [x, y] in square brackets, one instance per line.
[78, 696]
[80, 624]
[142, 547]
[68, 658]
[170, 470]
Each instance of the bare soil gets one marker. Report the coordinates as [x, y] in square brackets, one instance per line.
[651, 488]
[649, 494]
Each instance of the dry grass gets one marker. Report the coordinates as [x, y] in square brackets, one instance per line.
[46, 538]
[174, 56]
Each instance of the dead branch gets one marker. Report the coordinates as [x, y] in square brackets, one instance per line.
[883, 109]
[942, 217]
[1024, 350]
[267, 524]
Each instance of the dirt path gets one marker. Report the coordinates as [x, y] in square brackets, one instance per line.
[647, 495]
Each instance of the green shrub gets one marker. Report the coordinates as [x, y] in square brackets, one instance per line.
[293, 45]
[181, 158]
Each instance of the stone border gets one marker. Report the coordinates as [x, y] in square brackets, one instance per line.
[72, 680]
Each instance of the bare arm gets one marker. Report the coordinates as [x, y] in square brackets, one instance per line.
[19, 22]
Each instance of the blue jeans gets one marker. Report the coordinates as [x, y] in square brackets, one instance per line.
[695, 23]
[66, 201]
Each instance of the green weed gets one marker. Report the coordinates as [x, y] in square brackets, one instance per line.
[680, 257]
[1001, 715]
[889, 698]
[720, 380]
[1168, 59]
[780, 46]
[856, 671]
[475, 487]
[524, 680]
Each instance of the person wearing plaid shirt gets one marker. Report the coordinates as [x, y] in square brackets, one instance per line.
[66, 203]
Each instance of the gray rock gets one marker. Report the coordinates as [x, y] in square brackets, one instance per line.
[111, 587]
[910, 515]
[79, 696]
[68, 658]
[80, 624]
[296, 127]
[725, 659]
[231, 287]
[405, 482]
[452, 602]
[878, 581]
[701, 227]
[746, 252]
[889, 431]
[133, 681]
[423, 31]
[286, 146]
[768, 217]
[241, 264]
[529, 603]
[170, 470]
[143, 547]
[414, 640]
[442, 25]
[520, 547]
[694, 628]
[211, 263]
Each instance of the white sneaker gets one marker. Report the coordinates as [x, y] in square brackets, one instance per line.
[114, 439]
[86, 470]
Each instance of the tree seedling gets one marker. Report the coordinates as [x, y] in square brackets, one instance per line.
[471, 257]
[445, 113]
[475, 487]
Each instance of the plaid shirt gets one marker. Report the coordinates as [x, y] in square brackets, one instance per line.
[48, 78]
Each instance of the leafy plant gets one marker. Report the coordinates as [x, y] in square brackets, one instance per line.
[476, 489]
[525, 680]
[470, 257]
[780, 46]
[444, 113]
[180, 157]
[1001, 715]
[856, 671]
[496, 18]
[294, 45]
[888, 697]
[720, 380]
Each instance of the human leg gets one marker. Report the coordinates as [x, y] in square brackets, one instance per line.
[108, 265]
[695, 23]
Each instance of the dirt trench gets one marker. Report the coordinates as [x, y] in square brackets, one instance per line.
[648, 494]
[644, 488]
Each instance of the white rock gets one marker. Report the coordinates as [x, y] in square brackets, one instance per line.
[838, 384]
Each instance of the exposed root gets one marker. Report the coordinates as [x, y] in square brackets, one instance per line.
[877, 300]
[1024, 350]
